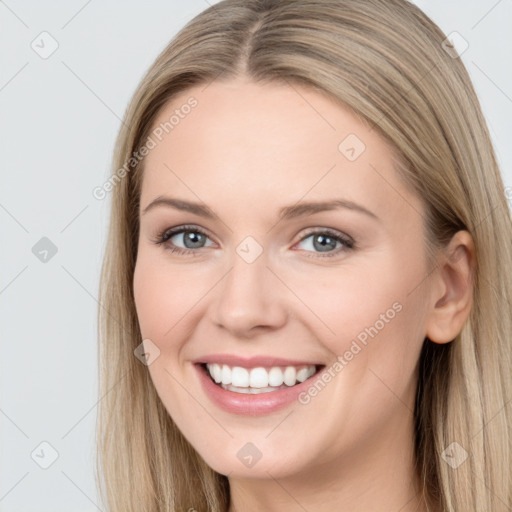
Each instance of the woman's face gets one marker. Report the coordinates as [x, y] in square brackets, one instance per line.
[342, 287]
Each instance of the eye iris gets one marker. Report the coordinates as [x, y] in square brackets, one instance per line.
[326, 243]
[193, 237]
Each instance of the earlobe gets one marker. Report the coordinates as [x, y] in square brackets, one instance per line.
[452, 289]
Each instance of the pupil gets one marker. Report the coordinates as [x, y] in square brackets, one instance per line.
[194, 238]
[326, 243]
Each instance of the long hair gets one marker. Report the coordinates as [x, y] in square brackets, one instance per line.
[390, 65]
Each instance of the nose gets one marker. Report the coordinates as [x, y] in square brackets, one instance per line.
[250, 299]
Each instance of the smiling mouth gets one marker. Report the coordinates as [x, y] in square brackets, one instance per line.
[253, 381]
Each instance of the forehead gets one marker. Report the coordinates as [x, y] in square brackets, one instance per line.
[242, 141]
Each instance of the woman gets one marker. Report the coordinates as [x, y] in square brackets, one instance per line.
[306, 290]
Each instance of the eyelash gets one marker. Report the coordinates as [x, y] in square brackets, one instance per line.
[163, 236]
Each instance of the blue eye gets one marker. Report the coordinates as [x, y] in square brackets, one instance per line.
[324, 242]
[192, 237]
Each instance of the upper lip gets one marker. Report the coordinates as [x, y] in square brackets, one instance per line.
[253, 362]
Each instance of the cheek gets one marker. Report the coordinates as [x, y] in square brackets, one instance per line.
[349, 300]
[149, 302]
[368, 318]
[163, 295]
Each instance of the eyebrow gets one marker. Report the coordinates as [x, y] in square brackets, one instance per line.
[285, 213]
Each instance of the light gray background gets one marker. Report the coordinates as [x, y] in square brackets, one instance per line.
[58, 120]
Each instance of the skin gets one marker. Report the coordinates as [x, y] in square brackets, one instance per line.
[246, 150]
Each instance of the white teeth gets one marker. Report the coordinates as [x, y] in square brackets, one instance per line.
[290, 376]
[302, 374]
[258, 379]
[275, 377]
[216, 373]
[226, 374]
[240, 377]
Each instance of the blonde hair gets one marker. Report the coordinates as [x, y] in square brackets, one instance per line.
[386, 62]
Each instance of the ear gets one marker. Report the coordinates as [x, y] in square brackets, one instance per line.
[452, 289]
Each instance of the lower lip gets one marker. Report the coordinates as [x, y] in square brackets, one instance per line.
[251, 405]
